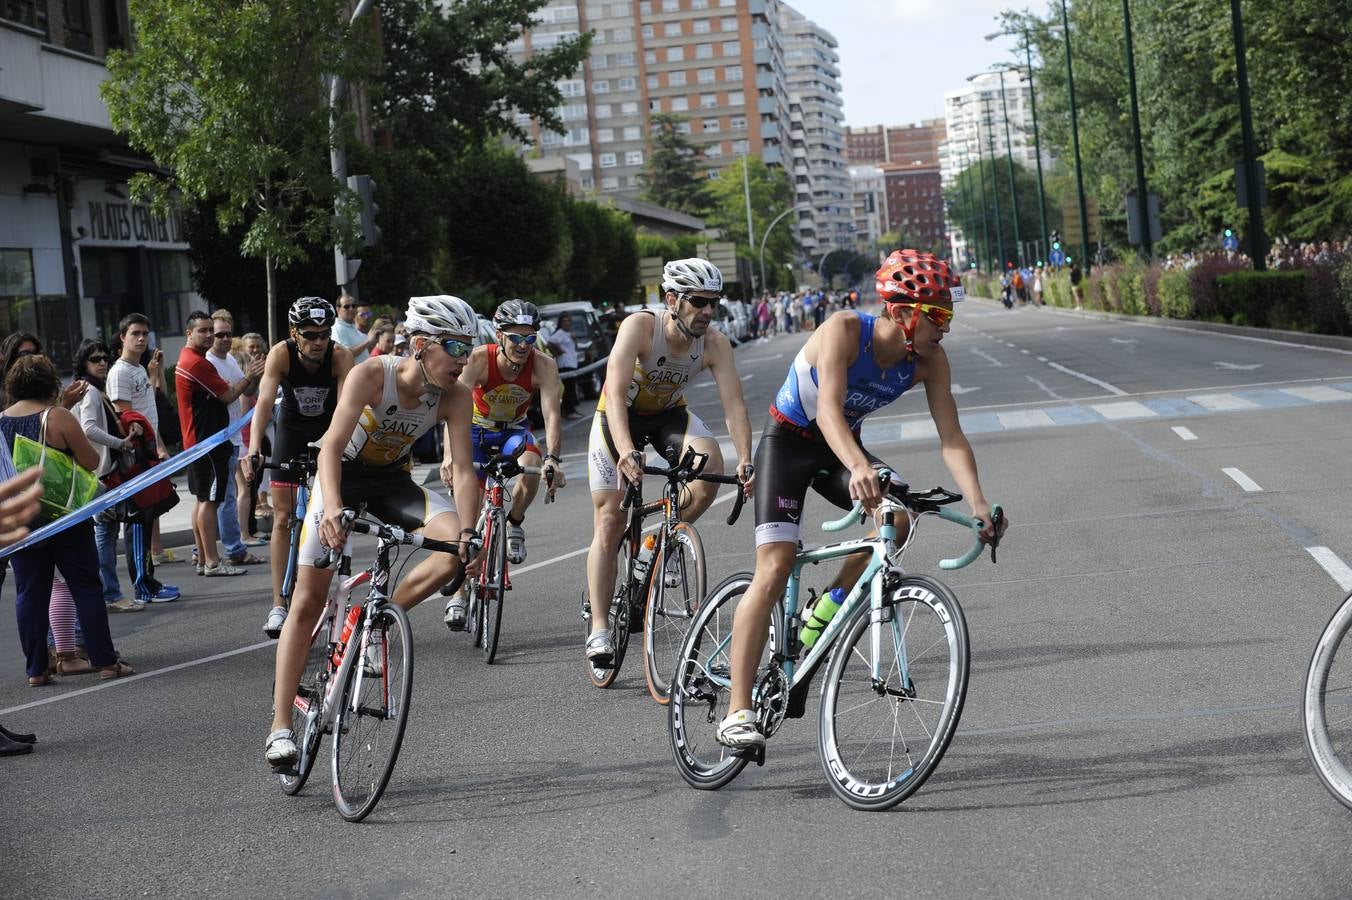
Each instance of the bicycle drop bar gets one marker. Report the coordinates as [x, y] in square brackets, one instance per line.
[400, 536]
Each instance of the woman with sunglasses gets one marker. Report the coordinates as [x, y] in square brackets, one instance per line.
[385, 405]
[504, 378]
[309, 368]
[852, 366]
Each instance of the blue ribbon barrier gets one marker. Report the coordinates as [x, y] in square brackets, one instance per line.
[125, 491]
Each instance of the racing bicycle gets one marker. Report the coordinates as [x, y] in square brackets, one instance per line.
[358, 680]
[896, 655]
[1326, 707]
[660, 580]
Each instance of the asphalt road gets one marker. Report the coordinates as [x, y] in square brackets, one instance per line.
[1131, 726]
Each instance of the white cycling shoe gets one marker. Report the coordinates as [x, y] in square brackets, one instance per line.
[457, 611]
[516, 544]
[600, 650]
[740, 730]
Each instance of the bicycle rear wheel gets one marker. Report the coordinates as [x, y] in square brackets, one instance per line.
[495, 573]
[305, 709]
[700, 689]
[617, 622]
[1326, 708]
[675, 591]
[373, 715]
[880, 739]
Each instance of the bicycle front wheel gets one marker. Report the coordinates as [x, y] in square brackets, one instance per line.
[495, 576]
[890, 706]
[1326, 710]
[701, 687]
[373, 714]
[675, 592]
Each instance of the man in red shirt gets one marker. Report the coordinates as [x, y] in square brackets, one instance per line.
[203, 401]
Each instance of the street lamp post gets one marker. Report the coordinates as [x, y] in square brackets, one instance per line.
[1075, 142]
[969, 220]
[1142, 199]
[989, 122]
[750, 234]
[343, 273]
[766, 234]
[1009, 159]
[1257, 240]
[1037, 144]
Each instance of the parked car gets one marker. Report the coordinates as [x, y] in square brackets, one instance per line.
[589, 333]
[488, 332]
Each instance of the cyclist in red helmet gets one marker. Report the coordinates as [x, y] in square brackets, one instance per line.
[851, 366]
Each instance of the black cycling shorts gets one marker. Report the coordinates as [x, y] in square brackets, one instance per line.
[674, 428]
[293, 443]
[788, 461]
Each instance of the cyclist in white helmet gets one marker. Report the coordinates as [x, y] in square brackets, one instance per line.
[643, 402]
[385, 405]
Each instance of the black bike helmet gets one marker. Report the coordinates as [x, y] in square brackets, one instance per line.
[517, 312]
[314, 311]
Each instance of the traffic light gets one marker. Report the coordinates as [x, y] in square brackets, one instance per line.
[1229, 232]
[364, 187]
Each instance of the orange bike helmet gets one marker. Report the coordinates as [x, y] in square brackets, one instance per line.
[913, 276]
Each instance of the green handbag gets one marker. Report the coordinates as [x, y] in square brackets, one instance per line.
[66, 485]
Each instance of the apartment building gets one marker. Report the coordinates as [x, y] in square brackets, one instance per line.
[76, 254]
[818, 169]
[718, 63]
[916, 144]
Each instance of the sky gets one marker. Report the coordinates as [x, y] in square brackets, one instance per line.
[898, 57]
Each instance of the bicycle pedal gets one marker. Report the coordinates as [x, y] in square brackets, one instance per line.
[752, 754]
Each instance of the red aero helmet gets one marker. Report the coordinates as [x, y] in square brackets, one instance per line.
[913, 276]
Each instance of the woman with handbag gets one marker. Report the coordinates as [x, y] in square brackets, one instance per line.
[33, 389]
[103, 426]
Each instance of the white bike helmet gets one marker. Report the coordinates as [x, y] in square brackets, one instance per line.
[441, 316]
[685, 276]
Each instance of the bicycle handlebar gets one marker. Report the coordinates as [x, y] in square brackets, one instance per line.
[385, 533]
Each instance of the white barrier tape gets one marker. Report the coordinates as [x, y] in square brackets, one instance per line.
[574, 373]
[125, 491]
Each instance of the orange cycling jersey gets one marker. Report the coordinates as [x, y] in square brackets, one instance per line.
[502, 403]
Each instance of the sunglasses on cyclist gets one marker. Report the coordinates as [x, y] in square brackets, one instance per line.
[315, 336]
[698, 302]
[456, 348]
[939, 315]
[520, 340]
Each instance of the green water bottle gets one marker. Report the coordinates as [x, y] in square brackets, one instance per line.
[820, 616]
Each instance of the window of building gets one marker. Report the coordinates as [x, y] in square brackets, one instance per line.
[707, 76]
[704, 51]
[703, 26]
[629, 108]
[621, 35]
[647, 31]
[739, 147]
[671, 5]
[732, 48]
[622, 59]
[727, 2]
[652, 82]
[605, 135]
[601, 87]
[737, 123]
[573, 111]
[621, 9]
[654, 105]
[672, 29]
[713, 151]
[699, 4]
[732, 73]
[729, 23]
[633, 133]
[610, 183]
[680, 104]
[708, 101]
[607, 160]
[676, 79]
[627, 84]
[599, 37]
[645, 8]
[736, 98]
[633, 158]
[683, 127]
[599, 61]
[650, 56]
[675, 54]
[709, 125]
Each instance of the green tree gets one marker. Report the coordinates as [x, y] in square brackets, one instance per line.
[963, 200]
[673, 177]
[230, 100]
[771, 194]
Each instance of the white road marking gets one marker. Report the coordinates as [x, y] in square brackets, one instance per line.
[1127, 409]
[919, 429]
[1320, 393]
[1026, 418]
[1089, 378]
[1024, 352]
[1123, 340]
[1222, 402]
[1237, 366]
[959, 389]
[747, 377]
[1184, 433]
[1042, 359]
[1241, 479]
[1329, 561]
[986, 356]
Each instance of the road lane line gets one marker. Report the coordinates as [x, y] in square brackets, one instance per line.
[1340, 571]
[138, 677]
[1241, 479]
[986, 356]
[1184, 433]
[1125, 409]
[1089, 378]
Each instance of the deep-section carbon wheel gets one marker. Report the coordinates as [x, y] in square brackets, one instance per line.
[889, 708]
[675, 591]
[701, 685]
[1326, 707]
[495, 571]
[373, 715]
[617, 622]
